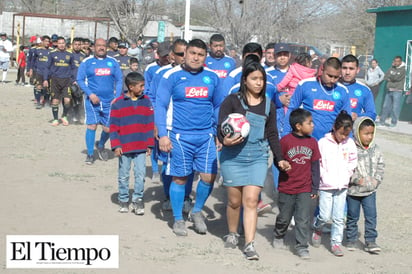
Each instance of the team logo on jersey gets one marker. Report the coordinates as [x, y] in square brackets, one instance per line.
[221, 73]
[323, 105]
[197, 92]
[353, 102]
[102, 72]
[67, 57]
[358, 92]
[314, 89]
[336, 95]
[226, 65]
[206, 80]
[109, 64]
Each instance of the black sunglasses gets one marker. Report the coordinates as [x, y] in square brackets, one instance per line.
[181, 54]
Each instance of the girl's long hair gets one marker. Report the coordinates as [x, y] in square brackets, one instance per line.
[251, 64]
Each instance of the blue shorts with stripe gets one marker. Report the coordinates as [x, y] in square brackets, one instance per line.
[191, 152]
[97, 114]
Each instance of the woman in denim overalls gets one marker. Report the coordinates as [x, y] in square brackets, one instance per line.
[244, 161]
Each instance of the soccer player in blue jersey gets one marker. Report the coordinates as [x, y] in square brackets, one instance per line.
[361, 97]
[217, 60]
[163, 52]
[100, 78]
[190, 93]
[323, 96]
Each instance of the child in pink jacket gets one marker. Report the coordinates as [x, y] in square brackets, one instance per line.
[299, 70]
[338, 161]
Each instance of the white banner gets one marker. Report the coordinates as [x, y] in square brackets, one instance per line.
[62, 251]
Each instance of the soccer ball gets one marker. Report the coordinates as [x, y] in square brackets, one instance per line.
[236, 124]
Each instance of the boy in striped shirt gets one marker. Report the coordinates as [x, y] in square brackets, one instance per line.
[131, 138]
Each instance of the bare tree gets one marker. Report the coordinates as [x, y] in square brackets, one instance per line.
[130, 17]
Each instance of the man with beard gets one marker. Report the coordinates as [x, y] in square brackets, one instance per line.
[217, 60]
[100, 78]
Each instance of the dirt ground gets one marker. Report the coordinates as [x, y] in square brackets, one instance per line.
[46, 188]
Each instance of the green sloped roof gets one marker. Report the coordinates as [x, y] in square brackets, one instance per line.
[389, 9]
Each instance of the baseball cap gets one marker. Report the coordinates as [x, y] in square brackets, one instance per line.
[163, 49]
[279, 47]
[3, 34]
[33, 39]
[54, 37]
[123, 45]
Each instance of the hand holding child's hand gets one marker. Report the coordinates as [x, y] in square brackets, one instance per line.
[284, 165]
[118, 152]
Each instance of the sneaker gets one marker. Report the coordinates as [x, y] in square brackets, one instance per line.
[199, 222]
[231, 240]
[351, 246]
[303, 254]
[337, 250]
[124, 207]
[89, 160]
[250, 251]
[187, 205]
[372, 247]
[316, 238]
[166, 205]
[263, 208]
[179, 228]
[138, 207]
[39, 106]
[278, 243]
[392, 125]
[65, 122]
[55, 123]
[156, 177]
[103, 155]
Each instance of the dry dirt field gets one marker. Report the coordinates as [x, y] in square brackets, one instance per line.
[47, 189]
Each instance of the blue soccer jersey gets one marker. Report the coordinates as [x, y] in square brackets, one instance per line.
[323, 102]
[222, 66]
[361, 100]
[101, 76]
[192, 100]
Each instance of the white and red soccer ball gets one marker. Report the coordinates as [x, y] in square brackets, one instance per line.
[235, 124]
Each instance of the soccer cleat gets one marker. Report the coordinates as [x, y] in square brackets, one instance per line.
[101, 152]
[89, 160]
[199, 222]
[179, 228]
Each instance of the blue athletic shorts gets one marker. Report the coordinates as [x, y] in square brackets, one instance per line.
[97, 114]
[191, 152]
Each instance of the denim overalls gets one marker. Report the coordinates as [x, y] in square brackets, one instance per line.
[246, 163]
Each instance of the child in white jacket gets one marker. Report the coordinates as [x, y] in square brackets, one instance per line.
[338, 160]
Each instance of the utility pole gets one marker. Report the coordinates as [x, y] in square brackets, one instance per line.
[187, 35]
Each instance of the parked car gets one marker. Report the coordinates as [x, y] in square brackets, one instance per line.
[364, 64]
